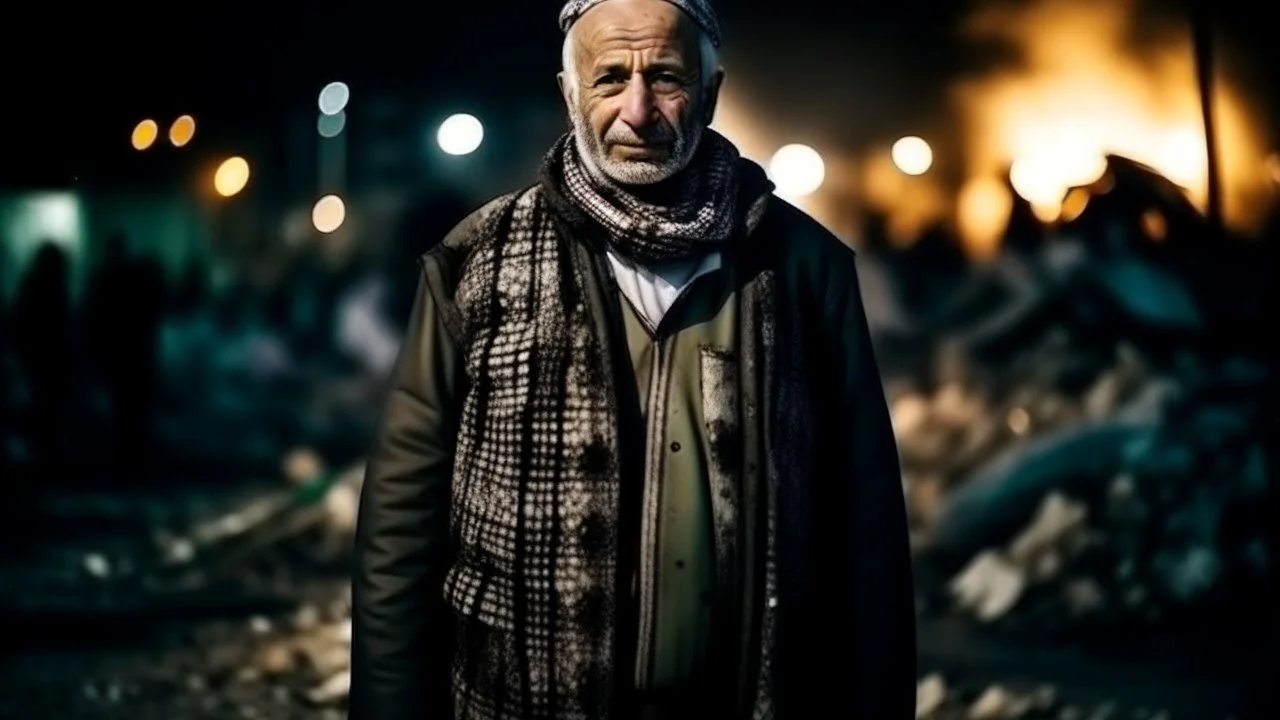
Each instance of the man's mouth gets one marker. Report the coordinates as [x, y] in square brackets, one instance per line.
[639, 154]
[641, 148]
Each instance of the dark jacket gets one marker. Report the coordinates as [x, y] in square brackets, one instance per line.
[844, 633]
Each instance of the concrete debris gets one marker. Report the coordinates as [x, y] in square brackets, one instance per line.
[316, 515]
[989, 586]
[931, 692]
[939, 700]
[332, 690]
[307, 617]
[996, 703]
[1098, 480]
[1058, 515]
[97, 565]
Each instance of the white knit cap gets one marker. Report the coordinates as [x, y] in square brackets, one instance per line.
[699, 10]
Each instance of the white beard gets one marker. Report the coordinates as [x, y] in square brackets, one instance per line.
[633, 172]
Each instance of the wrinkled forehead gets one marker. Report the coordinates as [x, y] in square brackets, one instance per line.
[658, 29]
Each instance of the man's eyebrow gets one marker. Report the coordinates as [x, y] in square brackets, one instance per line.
[609, 67]
[672, 64]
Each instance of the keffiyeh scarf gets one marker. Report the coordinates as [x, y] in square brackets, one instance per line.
[704, 215]
[538, 489]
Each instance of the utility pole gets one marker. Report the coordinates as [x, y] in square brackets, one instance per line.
[1202, 42]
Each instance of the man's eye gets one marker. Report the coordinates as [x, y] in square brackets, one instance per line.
[610, 79]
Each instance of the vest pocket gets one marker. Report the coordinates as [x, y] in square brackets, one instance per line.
[721, 416]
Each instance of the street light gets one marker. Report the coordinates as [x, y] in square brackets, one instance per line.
[797, 170]
[912, 155]
[231, 177]
[460, 134]
[330, 126]
[145, 134]
[328, 214]
[334, 98]
[182, 130]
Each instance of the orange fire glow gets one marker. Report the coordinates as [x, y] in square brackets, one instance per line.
[1083, 90]
[758, 142]
[910, 203]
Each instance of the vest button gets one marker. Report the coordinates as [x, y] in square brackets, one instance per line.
[675, 447]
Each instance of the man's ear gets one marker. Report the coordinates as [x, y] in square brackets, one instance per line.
[565, 91]
[713, 95]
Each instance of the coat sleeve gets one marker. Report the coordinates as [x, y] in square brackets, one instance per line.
[878, 587]
[401, 627]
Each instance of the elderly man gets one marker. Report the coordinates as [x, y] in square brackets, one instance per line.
[636, 461]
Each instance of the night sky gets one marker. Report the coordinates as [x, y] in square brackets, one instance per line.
[80, 79]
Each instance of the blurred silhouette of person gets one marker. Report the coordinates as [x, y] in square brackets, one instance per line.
[41, 341]
[124, 307]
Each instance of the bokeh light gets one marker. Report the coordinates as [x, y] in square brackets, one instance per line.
[328, 214]
[982, 213]
[460, 134]
[182, 130]
[231, 177]
[797, 170]
[145, 134]
[1043, 179]
[1272, 168]
[912, 155]
[334, 98]
[330, 126]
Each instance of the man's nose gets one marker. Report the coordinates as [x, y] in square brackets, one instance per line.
[637, 103]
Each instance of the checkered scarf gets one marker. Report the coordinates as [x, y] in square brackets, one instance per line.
[537, 513]
[704, 216]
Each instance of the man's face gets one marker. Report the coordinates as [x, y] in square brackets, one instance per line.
[639, 105]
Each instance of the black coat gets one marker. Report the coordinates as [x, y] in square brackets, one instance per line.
[844, 623]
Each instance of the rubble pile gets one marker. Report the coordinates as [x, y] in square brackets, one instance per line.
[1087, 487]
[1080, 420]
[309, 524]
[937, 699]
[289, 665]
[953, 432]
[243, 607]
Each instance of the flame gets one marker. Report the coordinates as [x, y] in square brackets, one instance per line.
[1083, 89]
[982, 212]
[911, 203]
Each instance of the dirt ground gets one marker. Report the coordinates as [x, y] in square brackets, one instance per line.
[222, 667]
